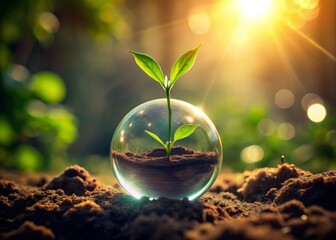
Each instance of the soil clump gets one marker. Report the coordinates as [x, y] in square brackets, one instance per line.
[268, 203]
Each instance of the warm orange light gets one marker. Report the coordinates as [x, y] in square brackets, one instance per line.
[297, 13]
[254, 9]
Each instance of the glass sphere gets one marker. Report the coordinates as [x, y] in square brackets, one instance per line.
[140, 163]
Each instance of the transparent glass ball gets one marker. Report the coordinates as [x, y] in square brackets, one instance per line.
[140, 163]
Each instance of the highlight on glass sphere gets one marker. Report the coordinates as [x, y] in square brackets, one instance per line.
[166, 147]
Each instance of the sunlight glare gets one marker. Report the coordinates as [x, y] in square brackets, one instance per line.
[122, 138]
[254, 9]
[189, 119]
[199, 111]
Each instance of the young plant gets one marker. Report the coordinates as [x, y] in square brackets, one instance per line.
[180, 67]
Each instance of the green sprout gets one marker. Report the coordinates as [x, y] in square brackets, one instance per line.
[180, 67]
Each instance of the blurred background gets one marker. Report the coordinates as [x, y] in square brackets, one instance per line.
[265, 75]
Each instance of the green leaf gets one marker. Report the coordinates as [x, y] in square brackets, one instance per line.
[184, 131]
[149, 66]
[156, 138]
[183, 65]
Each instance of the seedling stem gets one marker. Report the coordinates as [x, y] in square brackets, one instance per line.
[180, 67]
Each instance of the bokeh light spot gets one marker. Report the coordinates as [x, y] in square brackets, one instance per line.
[310, 99]
[252, 154]
[19, 73]
[286, 131]
[108, 13]
[312, 14]
[37, 108]
[49, 22]
[266, 127]
[199, 23]
[303, 153]
[297, 13]
[316, 112]
[284, 98]
[309, 4]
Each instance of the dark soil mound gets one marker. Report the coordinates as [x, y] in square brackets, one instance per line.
[268, 203]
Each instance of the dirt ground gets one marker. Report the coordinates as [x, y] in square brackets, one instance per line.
[268, 203]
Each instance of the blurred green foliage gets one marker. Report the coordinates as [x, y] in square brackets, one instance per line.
[35, 128]
[312, 147]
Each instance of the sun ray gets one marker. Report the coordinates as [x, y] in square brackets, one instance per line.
[161, 26]
[284, 59]
[210, 86]
[312, 42]
[213, 77]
